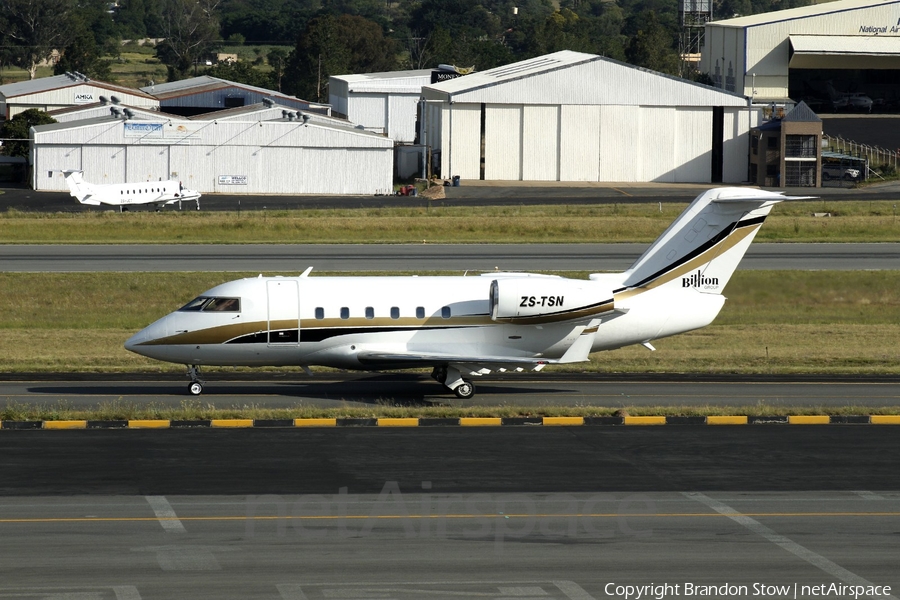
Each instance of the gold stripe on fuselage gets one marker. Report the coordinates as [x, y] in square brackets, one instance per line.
[725, 245]
[223, 333]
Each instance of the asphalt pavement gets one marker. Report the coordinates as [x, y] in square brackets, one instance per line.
[469, 193]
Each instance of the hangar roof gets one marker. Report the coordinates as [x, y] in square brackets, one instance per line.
[206, 83]
[568, 77]
[46, 84]
[802, 12]
[391, 81]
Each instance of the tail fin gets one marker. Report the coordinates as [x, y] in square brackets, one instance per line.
[702, 248]
[79, 188]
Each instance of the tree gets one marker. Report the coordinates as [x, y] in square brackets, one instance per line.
[652, 46]
[241, 72]
[266, 21]
[18, 128]
[190, 30]
[277, 58]
[83, 55]
[336, 46]
[463, 17]
[36, 28]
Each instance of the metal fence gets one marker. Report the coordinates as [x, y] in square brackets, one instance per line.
[878, 158]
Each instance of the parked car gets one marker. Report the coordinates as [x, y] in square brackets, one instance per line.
[830, 172]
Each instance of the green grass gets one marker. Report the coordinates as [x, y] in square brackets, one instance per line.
[851, 221]
[775, 322]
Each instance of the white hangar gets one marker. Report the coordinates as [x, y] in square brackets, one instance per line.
[60, 91]
[570, 116]
[813, 53]
[260, 149]
[385, 103]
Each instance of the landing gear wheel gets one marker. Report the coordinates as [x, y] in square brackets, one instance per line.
[465, 390]
[195, 387]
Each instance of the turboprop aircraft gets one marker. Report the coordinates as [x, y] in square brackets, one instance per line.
[466, 326]
[123, 195]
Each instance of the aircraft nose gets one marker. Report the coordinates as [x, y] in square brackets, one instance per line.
[136, 340]
[148, 334]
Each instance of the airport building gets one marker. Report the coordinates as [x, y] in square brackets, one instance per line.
[829, 55]
[61, 91]
[204, 94]
[264, 148]
[385, 103]
[570, 116]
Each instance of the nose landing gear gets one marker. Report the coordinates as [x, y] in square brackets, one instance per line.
[195, 388]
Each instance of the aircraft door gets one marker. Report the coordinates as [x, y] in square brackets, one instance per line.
[284, 312]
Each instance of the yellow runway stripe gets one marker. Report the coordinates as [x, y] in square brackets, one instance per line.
[645, 420]
[231, 423]
[885, 419]
[809, 419]
[398, 422]
[726, 420]
[563, 420]
[315, 422]
[65, 424]
[480, 421]
[149, 423]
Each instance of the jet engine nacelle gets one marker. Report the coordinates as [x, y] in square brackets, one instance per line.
[547, 299]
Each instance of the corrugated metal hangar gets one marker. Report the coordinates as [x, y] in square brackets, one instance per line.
[203, 94]
[60, 91]
[815, 53]
[381, 102]
[259, 149]
[570, 116]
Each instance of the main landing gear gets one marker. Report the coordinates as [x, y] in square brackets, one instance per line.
[453, 380]
[195, 387]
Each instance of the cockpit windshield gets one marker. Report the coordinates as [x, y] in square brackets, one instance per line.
[207, 304]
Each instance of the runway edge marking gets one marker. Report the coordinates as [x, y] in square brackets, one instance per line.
[405, 422]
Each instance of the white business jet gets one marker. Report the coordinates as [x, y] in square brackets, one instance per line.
[123, 195]
[463, 327]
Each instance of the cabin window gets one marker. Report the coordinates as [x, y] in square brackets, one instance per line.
[445, 312]
[207, 304]
[195, 304]
[345, 312]
[395, 312]
[320, 312]
[420, 312]
[370, 312]
[223, 305]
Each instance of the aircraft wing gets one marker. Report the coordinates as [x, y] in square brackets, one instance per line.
[466, 365]
[185, 196]
[580, 341]
[89, 199]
